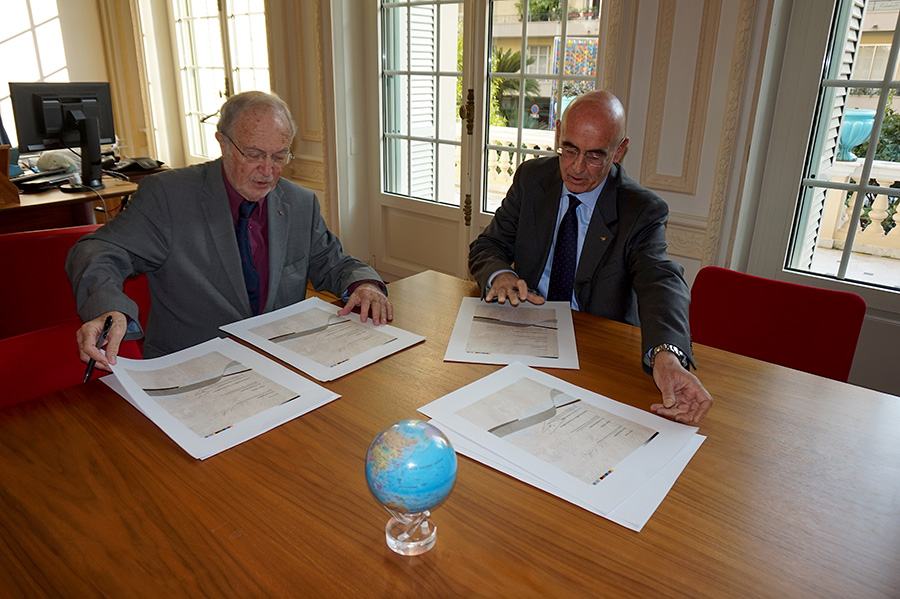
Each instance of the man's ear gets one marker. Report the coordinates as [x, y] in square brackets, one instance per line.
[620, 151]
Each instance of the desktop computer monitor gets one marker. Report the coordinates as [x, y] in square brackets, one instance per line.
[62, 116]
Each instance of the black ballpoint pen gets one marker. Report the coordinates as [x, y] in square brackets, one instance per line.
[90, 367]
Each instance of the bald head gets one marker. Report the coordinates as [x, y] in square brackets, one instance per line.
[594, 122]
[597, 106]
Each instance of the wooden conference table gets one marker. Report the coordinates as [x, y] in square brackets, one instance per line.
[795, 493]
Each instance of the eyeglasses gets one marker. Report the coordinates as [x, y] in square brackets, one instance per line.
[257, 156]
[591, 158]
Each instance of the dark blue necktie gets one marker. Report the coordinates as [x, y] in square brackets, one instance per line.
[251, 276]
[565, 256]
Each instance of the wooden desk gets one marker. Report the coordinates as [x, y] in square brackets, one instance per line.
[796, 492]
[55, 208]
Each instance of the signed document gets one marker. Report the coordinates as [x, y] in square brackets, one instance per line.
[493, 333]
[310, 335]
[215, 395]
[607, 457]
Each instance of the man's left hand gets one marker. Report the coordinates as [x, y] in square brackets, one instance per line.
[369, 297]
[684, 398]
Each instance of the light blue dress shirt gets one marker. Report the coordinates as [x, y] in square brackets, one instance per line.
[584, 212]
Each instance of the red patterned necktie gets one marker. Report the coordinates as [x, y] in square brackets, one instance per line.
[565, 256]
[251, 276]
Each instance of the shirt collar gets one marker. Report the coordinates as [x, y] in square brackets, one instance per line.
[588, 198]
[235, 198]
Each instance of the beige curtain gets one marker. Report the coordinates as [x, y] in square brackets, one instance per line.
[122, 43]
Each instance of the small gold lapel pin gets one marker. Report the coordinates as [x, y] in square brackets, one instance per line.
[603, 239]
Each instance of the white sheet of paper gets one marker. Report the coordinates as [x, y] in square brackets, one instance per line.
[309, 335]
[600, 469]
[632, 513]
[493, 333]
[213, 396]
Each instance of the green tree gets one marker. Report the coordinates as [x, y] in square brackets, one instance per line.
[505, 90]
[540, 10]
[888, 147]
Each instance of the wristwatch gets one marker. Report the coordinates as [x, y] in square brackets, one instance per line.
[651, 355]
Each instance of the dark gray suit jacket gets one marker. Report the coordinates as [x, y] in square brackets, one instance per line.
[624, 272]
[178, 228]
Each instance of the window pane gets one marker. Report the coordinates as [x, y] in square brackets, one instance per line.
[41, 11]
[527, 96]
[14, 21]
[421, 90]
[248, 49]
[846, 224]
[52, 52]
[25, 67]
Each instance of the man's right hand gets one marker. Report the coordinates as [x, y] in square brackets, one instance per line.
[507, 285]
[89, 333]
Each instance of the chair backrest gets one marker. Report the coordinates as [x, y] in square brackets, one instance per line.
[37, 290]
[37, 330]
[806, 328]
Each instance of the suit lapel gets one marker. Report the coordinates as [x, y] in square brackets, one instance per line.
[546, 209]
[220, 224]
[599, 236]
[277, 220]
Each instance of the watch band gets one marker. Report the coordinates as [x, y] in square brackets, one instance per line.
[669, 348]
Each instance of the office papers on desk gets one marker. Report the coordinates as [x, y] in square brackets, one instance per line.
[606, 457]
[310, 335]
[492, 333]
[213, 396]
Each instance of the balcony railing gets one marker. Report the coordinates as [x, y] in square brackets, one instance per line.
[877, 233]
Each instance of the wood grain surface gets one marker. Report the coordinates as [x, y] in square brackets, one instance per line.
[795, 493]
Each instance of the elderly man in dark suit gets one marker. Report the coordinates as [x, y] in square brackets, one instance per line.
[219, 241]
[575, 228]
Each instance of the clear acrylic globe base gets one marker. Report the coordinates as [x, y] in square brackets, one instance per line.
[410, 534]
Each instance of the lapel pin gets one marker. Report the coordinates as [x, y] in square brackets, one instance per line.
[603, 239]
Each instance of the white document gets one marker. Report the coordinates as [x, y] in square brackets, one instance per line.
[632, 513]
[310, 335]
[597, 452]
[492, 333]
[215, 395]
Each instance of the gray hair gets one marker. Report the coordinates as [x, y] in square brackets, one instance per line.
[252, 100]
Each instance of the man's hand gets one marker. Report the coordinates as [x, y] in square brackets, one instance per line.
[684, 399]
[507, 285]
[368, 296]
[88, 334]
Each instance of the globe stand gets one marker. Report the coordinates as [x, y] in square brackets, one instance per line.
[410, 534]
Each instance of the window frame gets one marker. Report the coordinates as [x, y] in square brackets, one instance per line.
[788, 107]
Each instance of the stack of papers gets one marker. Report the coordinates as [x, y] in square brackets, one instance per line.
[493, 333]
[215, 395]
[310, 336]
[604, 456]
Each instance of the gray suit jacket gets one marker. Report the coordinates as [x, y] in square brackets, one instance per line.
[178, 228]
[624, 272]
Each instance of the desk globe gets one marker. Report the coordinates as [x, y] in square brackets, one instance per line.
[410, 469]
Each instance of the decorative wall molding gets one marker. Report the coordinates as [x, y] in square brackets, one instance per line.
[686, 182]
[734, 105]
[686, 235]
[620, 26]
[308, 172]
[295, 29]
[309, 21]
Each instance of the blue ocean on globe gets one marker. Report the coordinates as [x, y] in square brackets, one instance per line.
[411, 466]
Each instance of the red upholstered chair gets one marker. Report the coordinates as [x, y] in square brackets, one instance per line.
[37, 290]
[38, 319]
[806, 328]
